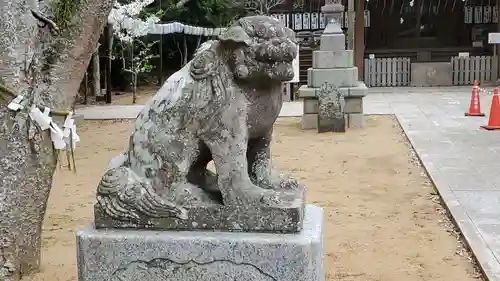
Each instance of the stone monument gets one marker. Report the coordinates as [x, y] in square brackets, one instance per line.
[330, 109]
[162, 215]
[332, 63]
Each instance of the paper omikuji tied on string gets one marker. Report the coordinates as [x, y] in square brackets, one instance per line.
[57, 136]
[43, 119]
[61, 139]
[69, 132]
[15, 104]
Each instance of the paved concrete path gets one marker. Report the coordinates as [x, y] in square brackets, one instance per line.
[105, 112]
[462, 160]
[374, 104]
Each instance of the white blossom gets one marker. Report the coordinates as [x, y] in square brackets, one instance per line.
[126, 23]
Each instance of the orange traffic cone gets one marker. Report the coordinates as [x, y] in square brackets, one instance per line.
[475, 103]
[494, 121]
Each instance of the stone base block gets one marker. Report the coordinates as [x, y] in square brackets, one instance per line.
[353, 105]
[333, 59]
[331, 124]
[340, 77]
[282, 218]
[360, 90]
[228, 218]
[355, 120]
[332, 42]
[139, 255]
[311, 105]
[307, 92]
[309, 121]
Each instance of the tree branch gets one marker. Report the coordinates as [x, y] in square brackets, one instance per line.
[46, 21]
[181, 3]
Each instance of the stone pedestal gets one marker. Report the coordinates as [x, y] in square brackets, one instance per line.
[334, 64]
[140, 255]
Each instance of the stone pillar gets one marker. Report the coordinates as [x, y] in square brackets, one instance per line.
[334, 64]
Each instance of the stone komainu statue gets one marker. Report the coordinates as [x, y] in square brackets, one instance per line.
[221, 106]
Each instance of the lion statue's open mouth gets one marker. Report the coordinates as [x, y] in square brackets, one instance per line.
[266, 51]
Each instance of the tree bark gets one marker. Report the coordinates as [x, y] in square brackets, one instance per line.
[359, 38]
[185, 50]
[96, 75]
[50, 78]
[109, 53]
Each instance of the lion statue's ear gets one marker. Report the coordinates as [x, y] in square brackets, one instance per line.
[235, 34]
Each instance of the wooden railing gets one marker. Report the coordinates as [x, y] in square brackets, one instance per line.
[386, 72]
[468, 69]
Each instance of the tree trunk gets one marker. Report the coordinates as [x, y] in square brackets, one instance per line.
[198, 42]
[50, 78]
[109, 53]
[86, 85]
[185, 51]
[96, 75]
[134, 94]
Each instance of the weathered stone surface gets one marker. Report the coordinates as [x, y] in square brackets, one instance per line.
[221, 106]
[330, 109]
[140, 255]
[309, 121]
[311, 105]
[333, 59]
[340, 77]
[331, 124]
[353, 105]
[360, 90]
[332, 42]
[307, 92]
[355, 120]
[219, 217]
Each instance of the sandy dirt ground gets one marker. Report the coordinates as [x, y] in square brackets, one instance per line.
[382, 219]
[123, 98]
[142, 96]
